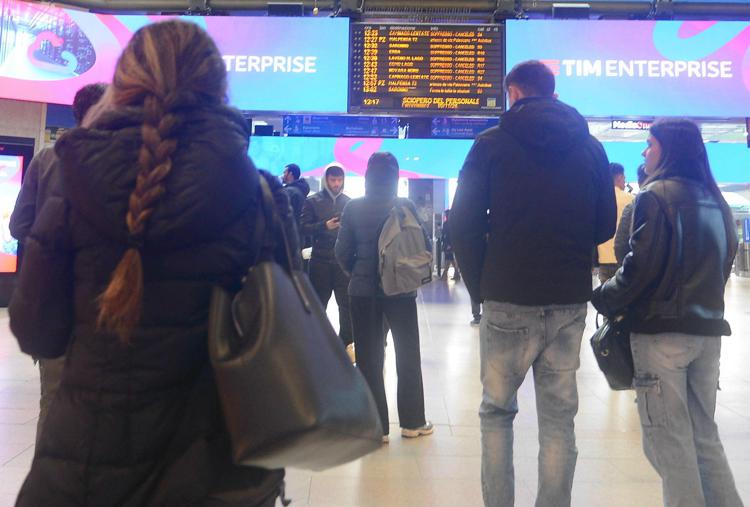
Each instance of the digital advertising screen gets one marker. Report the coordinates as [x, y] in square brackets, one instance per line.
[443, 158]
[442, 68]
[11, 171]
[641, 68]
[47, 53]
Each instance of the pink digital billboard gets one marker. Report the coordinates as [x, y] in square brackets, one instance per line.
[11, 170]
[47, 53]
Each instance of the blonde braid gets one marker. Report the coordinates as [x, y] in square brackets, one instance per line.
[166, 66]
[120, 303]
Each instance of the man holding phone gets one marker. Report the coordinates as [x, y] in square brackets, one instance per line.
[321, 220]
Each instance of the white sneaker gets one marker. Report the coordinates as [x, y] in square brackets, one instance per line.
[386, 439]
[427, 429]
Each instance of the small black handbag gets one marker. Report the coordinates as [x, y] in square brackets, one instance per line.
[290, 395]
[611, 346]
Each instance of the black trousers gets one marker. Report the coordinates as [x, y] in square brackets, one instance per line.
[476, 309]
[327, 277]
[367, 320]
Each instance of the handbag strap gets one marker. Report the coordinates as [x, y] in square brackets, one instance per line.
[270, 231]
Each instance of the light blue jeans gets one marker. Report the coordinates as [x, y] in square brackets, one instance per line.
[513, 339]
[676, 377]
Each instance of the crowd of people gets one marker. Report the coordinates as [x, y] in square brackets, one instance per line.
[136, 214]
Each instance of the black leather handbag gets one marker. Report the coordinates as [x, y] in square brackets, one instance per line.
[611, 345]
[289, 393]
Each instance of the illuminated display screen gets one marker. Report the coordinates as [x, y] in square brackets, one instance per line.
[10, 185]
[47, 53]
[641, 68]
[443, 158]
[426, 68]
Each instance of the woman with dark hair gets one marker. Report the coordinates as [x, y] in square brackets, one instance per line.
[671, 288]
[357, 252]
[159, 205]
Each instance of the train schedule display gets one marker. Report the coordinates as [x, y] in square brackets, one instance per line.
[426, 68]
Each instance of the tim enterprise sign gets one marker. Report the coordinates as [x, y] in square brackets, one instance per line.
[652, 69]
[641, 68]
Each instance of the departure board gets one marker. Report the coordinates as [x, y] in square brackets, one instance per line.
[420, 68]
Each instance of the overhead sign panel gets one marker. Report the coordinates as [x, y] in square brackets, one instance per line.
[641, 68]
[444, 68]
[48, 53]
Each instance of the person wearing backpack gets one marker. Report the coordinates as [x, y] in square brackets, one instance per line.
[357, 252]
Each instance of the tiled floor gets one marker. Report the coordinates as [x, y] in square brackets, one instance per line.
[443, 469]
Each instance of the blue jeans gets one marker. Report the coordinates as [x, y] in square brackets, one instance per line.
[676, 377]
[513, 339]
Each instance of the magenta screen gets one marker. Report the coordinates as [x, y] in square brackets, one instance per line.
[11, 169]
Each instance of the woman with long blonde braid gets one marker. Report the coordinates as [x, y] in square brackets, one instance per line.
[158, 205]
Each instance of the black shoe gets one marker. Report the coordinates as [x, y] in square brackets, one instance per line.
[476, 321]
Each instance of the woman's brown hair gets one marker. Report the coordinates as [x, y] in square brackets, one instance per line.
[683, 154]
[166, 66]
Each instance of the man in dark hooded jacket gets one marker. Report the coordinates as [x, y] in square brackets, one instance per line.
[321, 220]
[296, 188]
[534, 198]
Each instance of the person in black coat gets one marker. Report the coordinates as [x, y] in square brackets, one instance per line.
[357, 252]
[296, 188]
[159, 205]
[40, 182]
[534, 198]
[671, 288]
[321, 220]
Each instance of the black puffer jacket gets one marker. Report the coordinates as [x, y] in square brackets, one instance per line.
[683, 245]
[545, 182]
[140, 424]
[297, 192]
[317, 210]
[357, 243]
